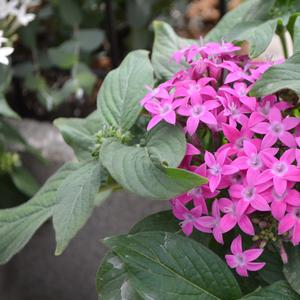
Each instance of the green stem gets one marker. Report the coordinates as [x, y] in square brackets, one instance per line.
[281, 34]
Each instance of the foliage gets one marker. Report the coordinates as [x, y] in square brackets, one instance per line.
[73, 41]
[12, 144]
[155, 260]
[256, 22]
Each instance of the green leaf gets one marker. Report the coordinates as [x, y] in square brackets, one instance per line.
[294, 30]
[258, 34]
[262, 10]
[102, 195]
[231, 19]
[10, 134]
[86, 78]
[89, 39]
[24, 181]
[5, 78]
[13, 196]
[64, 56]
[5, 109]
[75, 199]
[291, 270]
[166, 42]
[272, 271]
[141, 169]
[23, 69]
[35, 82]
[162, 221]
[18, 224]
[112, 277]
[112, 280]
[70, 12]
[123, 88]
[184, 176]
[279, 290]
[168, 266]
[278, 77]
[79, 134]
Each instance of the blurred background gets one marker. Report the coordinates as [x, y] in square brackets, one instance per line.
[61, 56]
[54, 77]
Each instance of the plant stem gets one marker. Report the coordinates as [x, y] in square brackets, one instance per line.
[281, 34]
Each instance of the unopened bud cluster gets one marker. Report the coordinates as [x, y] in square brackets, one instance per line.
[8, 161]
[109, 132]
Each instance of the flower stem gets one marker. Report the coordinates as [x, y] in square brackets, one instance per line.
[281, 34]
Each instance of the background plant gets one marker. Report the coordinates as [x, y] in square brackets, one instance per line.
[14, 14]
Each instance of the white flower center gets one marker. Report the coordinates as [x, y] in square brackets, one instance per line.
[255, 161]
[193, 88]
[276, 128]
[297, 213]
[279, 168]
[197, 110]
[239, 143]
[196, 192]
[240, 259]
[165, 109]
[249, 193]
[215, 170]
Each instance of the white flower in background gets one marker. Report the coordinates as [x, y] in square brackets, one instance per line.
[17, 8]
[4, 51]
[7, 8]
[2, 38]
[22, 16]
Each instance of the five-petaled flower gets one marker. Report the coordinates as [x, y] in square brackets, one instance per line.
[241, 260]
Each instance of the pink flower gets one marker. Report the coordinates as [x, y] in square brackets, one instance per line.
[199, 110]
[280, 171]
[209, 96]
[192, 90]
[162, 110]
[252, 158]
[240, 91]
[157, 93]
[277, 128]
[213, 222]
[200, 194]
[236, 73]
[217, 167]
[236, 137]
[267, 102]
[234, 217]
[297, 153]
[291, 222]
[279, 203]
[241, 260]
[191, 150]
[189, 218]
[213, 48]
[233, 109]
[249, 194]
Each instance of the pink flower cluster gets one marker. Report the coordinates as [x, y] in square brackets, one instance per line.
[252, 163]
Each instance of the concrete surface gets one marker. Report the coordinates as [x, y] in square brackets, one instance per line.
[35, 273]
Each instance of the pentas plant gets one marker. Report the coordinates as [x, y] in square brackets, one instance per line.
[216, 133]
[252, 164]
[13, 14]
